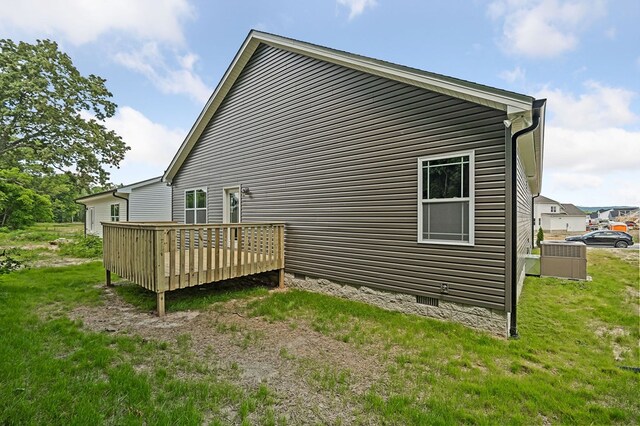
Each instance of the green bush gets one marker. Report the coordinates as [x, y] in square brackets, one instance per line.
[8, 262]
[85, 247]
[539, 237]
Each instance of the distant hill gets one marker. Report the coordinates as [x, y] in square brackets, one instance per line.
[594, 209]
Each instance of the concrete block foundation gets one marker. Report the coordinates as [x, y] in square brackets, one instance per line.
[490, 320]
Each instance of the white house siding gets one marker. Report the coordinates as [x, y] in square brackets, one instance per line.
[563, 223]
[150, 203]
[542, 208]
[102, 209]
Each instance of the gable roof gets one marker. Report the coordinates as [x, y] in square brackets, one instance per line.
[121, 190]
[514, 104]
[572, 210]
[541, 199]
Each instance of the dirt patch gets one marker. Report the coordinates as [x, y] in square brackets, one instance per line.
[316, 379]
[55, 261]
[613, 333]
[631, 256]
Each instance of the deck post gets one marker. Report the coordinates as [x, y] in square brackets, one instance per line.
[281, 278]
[109, 278]
[159, 266]
[160, 303]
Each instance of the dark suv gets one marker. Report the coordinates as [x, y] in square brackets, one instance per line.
[604, 239]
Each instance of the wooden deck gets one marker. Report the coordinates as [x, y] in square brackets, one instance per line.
[222, 265]
[168, 256]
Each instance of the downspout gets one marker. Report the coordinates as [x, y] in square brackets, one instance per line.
[513, 326]
[535, 226]
[122, 198]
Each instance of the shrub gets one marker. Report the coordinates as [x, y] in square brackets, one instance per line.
[85, 247]
[539, 237]
[8, 263]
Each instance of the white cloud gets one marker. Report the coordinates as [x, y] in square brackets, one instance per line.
[178, 78]
[592, 146]
[356, 7]
[514, 75]
[543, 28]
[596, 152]
[82, 21]
[152, 145]
[599, 107]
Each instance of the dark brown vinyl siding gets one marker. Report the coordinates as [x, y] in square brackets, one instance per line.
[333, 153]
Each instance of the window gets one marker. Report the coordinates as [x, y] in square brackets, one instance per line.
[115, 213]
[445, 198]
[195, 203]
[553, 209]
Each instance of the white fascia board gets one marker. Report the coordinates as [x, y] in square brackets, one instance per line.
[92, 199]
[459, 90]
[239, 61]
[140, 184]
[450, 88]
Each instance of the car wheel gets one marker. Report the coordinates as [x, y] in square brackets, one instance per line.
[622, 244]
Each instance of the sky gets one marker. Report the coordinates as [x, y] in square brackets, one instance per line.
[163, 58]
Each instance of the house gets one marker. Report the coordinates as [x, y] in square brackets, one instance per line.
[145, 201]
[399, 187]
[616, 213]
[550, 215]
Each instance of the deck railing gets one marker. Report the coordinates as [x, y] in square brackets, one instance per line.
[165, 256]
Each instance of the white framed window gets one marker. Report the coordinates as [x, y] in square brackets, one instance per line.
[115, 212]
[195, 206]
[446, 198]
[554, 209]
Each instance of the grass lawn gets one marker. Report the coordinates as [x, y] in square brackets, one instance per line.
[376, 366]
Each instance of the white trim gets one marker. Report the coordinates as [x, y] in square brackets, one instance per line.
[483, 95]
[225, 203]
[460, 88]
[195, 204]
[470, 199]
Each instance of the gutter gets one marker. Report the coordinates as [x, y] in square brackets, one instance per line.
[122, 198]
[513, 326]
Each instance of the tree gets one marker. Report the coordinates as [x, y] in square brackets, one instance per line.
[62, 189]
[51, 117]
[20, 205]
[539, 237]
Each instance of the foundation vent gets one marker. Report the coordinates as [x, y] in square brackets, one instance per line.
[424, 300]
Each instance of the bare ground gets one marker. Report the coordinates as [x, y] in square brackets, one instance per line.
[315, 378]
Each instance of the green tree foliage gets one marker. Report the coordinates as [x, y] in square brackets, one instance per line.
[51, 117]
[539, 237]
[62, 189]
[20, 205]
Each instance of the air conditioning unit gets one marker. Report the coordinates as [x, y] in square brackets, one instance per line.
[563, 259]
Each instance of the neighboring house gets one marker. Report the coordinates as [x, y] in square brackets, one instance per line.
[413, 187]
[146, 201]
[613, 214]
[605, 214]
[623, 213]
[551, 215]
